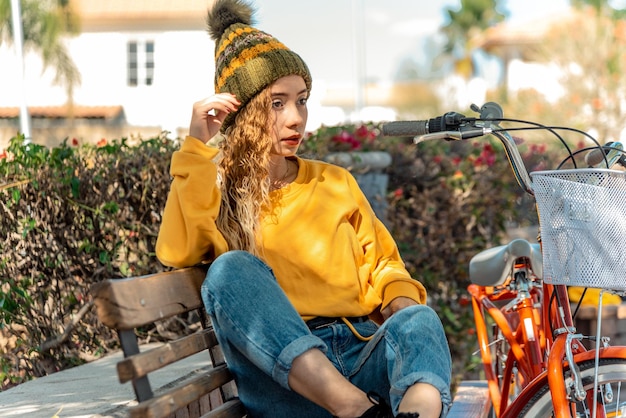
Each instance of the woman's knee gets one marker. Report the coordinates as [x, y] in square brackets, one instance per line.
[231, 266]
[224, 270]
[419, 320]
[423, 314]
[232, 270]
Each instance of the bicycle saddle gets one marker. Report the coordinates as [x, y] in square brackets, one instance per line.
[493, 266]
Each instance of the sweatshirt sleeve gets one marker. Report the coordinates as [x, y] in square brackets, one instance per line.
[188, 234]
[389, 276]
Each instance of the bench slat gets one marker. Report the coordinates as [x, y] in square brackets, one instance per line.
[141, 364]
[181, 396]
[471, 400]
[230, 409]
[126, 304]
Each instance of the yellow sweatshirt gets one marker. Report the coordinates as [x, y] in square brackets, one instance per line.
[329, 252]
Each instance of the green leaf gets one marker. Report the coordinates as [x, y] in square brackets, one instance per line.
[15, 195]
[104, 257]
[111, 207]
[75, 185]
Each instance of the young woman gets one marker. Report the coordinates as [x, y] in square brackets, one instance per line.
[310, 300]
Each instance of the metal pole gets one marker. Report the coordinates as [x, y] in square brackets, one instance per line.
[18, 39]
[358, 23]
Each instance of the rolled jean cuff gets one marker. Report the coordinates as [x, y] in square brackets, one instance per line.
[400, 387]
[285, 359]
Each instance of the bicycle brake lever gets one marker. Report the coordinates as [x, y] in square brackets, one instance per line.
[462, 133]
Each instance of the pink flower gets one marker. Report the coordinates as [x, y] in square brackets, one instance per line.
[464, 300]
[362, 131]
[344, 137]
[538, 148]
[488, 156]
[347, 138]
[6, 155]
[355, 145]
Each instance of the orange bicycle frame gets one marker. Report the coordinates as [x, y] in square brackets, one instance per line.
[523, 332]
[536, 367]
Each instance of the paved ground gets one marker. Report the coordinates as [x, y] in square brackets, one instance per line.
[90, 390]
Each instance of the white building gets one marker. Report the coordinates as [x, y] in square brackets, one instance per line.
[142, 62]
[173, 54]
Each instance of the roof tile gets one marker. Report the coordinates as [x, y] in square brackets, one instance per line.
[57, 112]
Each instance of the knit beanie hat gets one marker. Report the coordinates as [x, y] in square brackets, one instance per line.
[247, 60]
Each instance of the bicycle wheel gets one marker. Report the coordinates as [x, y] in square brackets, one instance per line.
[611, 372]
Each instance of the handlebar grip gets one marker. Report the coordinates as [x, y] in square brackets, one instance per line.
[405, 128]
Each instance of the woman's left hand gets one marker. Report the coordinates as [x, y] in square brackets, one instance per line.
[396, 305]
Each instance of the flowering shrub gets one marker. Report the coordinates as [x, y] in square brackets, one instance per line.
[358, 140]
[449, 201]
[346, 138]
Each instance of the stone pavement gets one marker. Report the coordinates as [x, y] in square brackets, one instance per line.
[91, 390]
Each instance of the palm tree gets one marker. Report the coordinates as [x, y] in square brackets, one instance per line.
[45, 23]
[463, 24]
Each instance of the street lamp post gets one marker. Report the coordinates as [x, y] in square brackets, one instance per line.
[18, 39]
[359, 56]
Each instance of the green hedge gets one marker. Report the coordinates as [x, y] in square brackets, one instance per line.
[69, 217]
[76, 214]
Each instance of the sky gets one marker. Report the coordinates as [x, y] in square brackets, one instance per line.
[322, 31]
[529, 9]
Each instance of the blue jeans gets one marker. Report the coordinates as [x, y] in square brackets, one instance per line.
[261, 334]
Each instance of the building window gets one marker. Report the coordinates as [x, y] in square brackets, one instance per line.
[132, 63]
[149, 63]
[140, 57]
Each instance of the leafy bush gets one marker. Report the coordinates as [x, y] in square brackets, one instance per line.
[69, 217]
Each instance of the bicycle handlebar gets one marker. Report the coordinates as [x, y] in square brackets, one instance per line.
[454, 126]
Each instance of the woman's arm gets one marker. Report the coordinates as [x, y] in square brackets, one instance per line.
[188, 233]
[389, 276]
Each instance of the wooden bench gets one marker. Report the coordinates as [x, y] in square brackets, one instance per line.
[127, 305]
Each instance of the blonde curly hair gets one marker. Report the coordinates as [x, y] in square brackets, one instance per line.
[243, 170]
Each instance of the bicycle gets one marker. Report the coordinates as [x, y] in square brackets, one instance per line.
[535, 362]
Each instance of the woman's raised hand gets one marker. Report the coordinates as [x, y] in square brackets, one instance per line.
[208, 115]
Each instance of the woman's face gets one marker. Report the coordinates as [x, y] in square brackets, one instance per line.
[289, 114]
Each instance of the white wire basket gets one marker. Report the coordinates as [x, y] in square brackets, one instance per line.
[582, 220]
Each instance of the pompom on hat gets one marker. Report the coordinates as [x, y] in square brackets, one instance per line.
[247, 60]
